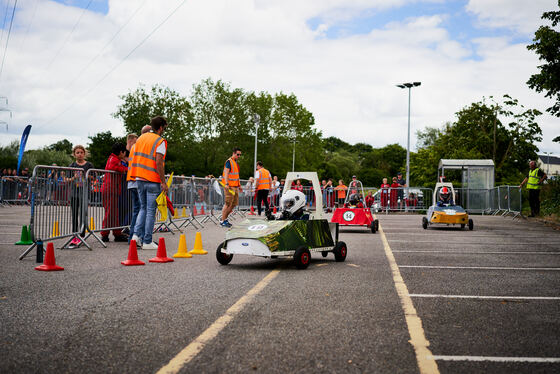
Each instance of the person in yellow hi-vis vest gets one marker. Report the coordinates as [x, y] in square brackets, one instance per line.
[534, 182]
[263, 183]
[231, 185]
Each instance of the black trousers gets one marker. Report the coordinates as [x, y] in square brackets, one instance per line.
[534, 201]
[262, 195]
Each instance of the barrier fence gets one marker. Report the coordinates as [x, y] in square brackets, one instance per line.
[14, 190]
[67, 203]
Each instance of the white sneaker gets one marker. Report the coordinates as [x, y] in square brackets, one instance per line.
[151, 245]
[138, 241]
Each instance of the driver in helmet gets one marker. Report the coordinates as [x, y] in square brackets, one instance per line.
[355, 201]
[445, 197]
[292, 204]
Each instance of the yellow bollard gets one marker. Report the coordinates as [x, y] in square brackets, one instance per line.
[182, 251]
[184, 212]
[56, 230]
[197, 248]
[91, 224]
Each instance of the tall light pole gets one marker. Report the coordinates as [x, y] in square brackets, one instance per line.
[409, 86]
[548, 163]
[294, 152]
[257, 120]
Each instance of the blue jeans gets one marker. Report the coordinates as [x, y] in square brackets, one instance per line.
[135, 210]
[148, 193]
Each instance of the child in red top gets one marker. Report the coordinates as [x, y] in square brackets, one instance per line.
[384, 193]
[111, 190]
[394, 191]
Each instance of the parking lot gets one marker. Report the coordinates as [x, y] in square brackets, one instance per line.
[405, 300]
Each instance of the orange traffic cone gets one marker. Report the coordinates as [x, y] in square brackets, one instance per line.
[161, 255]
[252, 213]
[50, 263]
[202, 210]
[197, 248]
[194, 213]
[132, 259]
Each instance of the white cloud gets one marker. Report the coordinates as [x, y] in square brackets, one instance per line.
[262, 45]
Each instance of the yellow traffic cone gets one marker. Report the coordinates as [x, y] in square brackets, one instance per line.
[55, 230]
[91, 224]
[197, 248]
[184, 212]
[182, 251]
[175, 214]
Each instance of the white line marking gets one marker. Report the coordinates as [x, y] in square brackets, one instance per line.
[496, 359]
[485, 297]
[191, 350]
[418, 340]
[481, 253]
[475, 267]
[466, 243]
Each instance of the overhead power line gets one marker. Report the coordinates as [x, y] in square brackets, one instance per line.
[8, 39]
[117, 65]
[69, 34]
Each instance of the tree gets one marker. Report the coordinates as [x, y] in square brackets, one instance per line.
[100, 148]
[547, 46]
[9, 155]
[505, 132]
[62, 146]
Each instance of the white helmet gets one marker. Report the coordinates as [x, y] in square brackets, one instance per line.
[292, 201]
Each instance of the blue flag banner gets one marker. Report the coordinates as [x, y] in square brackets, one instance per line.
[22, 144]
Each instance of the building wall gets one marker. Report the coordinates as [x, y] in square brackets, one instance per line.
[550, 169]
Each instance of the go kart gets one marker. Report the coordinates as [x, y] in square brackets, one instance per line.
[285, 238]
[446, 214]
[354, 212]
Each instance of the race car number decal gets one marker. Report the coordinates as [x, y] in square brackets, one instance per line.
[348, 216]
[257, 227]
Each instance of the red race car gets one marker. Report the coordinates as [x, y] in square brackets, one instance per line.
[354, 212]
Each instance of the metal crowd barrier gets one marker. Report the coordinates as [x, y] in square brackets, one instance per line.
[14, 190]
[402, 199]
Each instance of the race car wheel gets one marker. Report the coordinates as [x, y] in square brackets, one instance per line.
[324, 253]
[340, 251]
[373, 228]
[462, 225]
[376, 225]
[471, 224]
[302, 258]
[424, 223]
[223, 258]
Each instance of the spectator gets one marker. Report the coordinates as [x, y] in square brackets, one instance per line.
[132, 186]
[110, 192]
[275, 190]
[329, 188]
[534, 182]
[231, 181]
[264, 183]
[394, 193]
[341, 192]
[353, 185]
[400, 192]
[78, 181]
[412, 200]
[298, 186]
[370, 200]
[384, 193]
[148, 169]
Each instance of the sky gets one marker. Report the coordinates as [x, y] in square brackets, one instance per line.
[66, 62]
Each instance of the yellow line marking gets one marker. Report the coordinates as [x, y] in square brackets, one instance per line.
[191, 350]
[322, 264]
[424, 357]
[356, 266]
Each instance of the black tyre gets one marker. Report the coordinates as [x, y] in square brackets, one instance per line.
[324, 253]
[373, 228]
[376, 222]
[340, 251]
[302, 258]
[223, 258]
[462, 225]
[424, 223]
[471, 224]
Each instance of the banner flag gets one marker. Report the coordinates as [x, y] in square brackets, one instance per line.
[22, 144]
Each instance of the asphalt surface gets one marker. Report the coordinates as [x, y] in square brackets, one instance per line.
[98, 316]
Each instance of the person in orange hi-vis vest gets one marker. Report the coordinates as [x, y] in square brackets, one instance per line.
[147, 167]
[263, 182]
[231, 182]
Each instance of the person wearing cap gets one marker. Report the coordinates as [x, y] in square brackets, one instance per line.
[400, 193]
[353, 185]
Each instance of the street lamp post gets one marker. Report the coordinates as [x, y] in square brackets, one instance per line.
[409, 86]
[294, 153]
[257, 120]
[548, 163]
